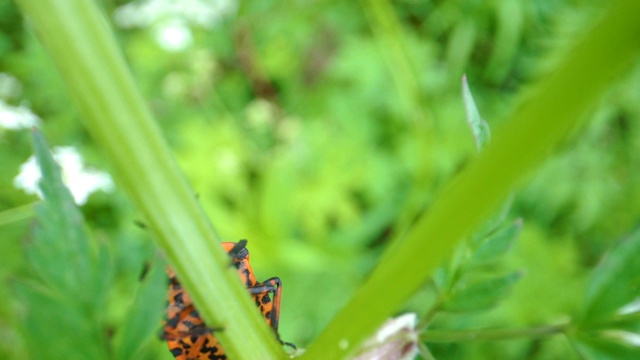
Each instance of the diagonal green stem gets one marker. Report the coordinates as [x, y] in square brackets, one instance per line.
[84, 49]
[550, 112]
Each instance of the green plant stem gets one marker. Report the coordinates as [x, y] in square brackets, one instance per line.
[83, 48]
[551, 111]
[424, 352]
[443, 336]
[433, 311]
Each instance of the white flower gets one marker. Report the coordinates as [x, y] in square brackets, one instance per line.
[396, 339]
[173, 35]
[9, 86]
[16, 118]
[80, 180]
[171, 19]
[202, 13]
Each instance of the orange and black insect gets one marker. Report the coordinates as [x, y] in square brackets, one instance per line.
[187, 335]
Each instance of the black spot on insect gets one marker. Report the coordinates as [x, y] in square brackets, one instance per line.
[208, 349]
[247, 276]
[174, 282]
[173, 322]
[185, 345]
[213, 356]
[178, 299]
[190, 325]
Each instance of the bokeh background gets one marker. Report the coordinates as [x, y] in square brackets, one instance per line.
[317, 130]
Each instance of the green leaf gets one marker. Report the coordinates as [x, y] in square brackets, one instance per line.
[610, 324]
[615, 282]
[628, 322]
[479, 127]
[65, 299]
[144, 316]
[57, 328]
[496, 245]
[603, 348]
[480, 294]
[493, 223]
[60, 253]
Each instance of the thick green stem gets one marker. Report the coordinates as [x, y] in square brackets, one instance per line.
[83, 47]
[550, 112]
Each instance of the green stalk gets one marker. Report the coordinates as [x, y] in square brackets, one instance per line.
[493, 334]
[83, 47]
[550, 112]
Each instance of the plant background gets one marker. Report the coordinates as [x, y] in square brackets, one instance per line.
[317, 130]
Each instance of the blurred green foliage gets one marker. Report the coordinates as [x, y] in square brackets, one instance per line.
[318, 131]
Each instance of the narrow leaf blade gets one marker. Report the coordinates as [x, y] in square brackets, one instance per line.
[480, 294]
[599, 348]
[496, 244]
[616, 281]
[479, 127]
[144, 316]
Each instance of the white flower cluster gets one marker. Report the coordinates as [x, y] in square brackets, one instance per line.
[80, 180]
[17, 117]
[396, 339]
[170, 19]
